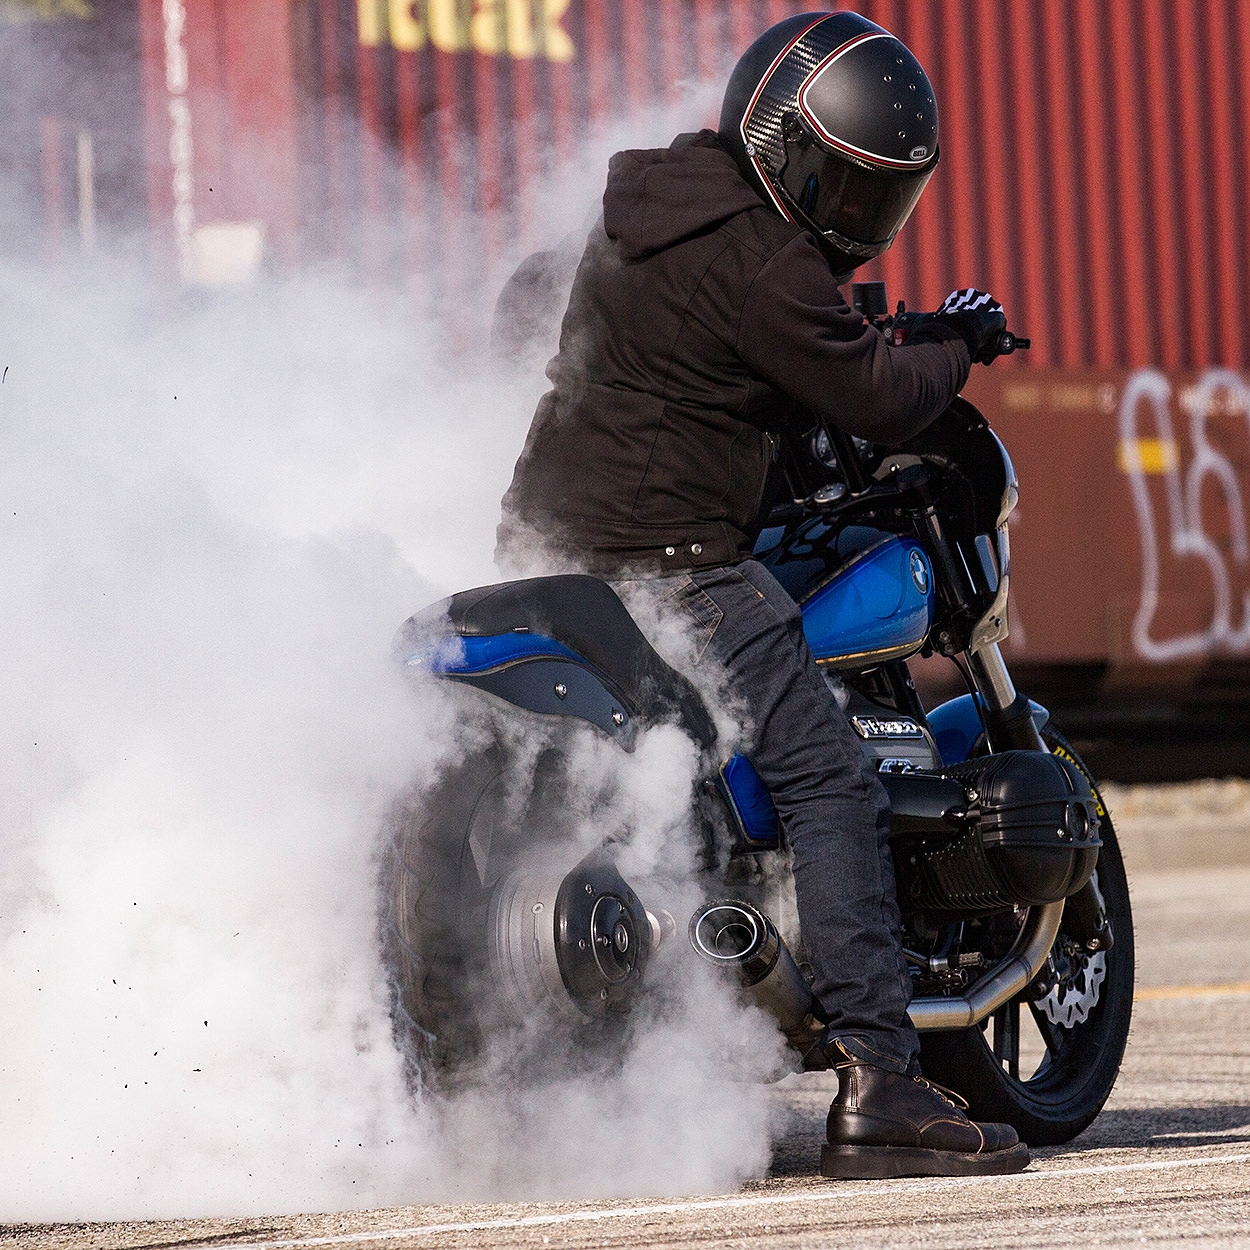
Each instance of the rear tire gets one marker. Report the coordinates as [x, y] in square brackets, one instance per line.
[451, 844]
[1082, 1060]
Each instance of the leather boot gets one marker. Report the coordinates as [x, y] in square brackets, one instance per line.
[885, 1124]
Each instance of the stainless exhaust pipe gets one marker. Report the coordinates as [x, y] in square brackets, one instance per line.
[1002, 983]
[737, 937]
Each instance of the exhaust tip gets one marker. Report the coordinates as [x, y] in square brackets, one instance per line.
[734, 935]
[738, 938]
[727, 932]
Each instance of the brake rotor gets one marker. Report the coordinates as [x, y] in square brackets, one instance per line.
[1074, 995]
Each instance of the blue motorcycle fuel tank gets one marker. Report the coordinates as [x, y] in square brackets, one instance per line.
[866, 596]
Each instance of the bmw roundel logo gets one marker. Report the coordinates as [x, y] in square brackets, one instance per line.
[919, 571]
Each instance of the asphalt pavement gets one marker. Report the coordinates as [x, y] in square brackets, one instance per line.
[1167, 1162]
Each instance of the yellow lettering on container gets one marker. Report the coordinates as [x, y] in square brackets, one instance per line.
[487, 27]
[407, 31]
[521, 40]
[369, 22]
[443, 19]
[504, 26]
[44, 10]
[557, 46]
[518, 28]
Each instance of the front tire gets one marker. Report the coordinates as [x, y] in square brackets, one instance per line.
[1083, 1022]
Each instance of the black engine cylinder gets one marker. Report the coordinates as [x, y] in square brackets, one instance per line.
[1027, 836]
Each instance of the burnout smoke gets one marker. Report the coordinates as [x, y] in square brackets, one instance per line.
[216, 510]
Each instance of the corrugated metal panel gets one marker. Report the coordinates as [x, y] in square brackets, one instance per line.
[1091, 174]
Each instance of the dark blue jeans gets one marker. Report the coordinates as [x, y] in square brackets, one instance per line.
[832, 806]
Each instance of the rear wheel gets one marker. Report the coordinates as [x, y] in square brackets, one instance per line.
[452, 843]
[504, 938]
[1046, 1061]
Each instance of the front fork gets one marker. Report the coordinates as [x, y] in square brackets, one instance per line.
[1008, 717]
[1009, 725]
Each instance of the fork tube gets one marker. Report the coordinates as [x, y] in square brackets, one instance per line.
[1008, 716]
[989, 671]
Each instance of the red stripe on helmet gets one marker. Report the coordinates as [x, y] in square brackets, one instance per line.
[746, 113]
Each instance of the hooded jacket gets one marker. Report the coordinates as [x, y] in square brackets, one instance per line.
[700, 321]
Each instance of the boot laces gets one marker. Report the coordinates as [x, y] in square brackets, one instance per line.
[958, 1101]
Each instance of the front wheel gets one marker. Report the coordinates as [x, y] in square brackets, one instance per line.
[1046, 1061]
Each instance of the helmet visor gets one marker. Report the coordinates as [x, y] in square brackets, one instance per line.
[859, 208]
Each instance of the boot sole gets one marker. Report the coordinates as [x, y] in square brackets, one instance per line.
[874, 1163]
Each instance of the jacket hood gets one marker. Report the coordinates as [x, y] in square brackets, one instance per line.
[658, 197]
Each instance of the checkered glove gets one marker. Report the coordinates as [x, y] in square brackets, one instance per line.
[979, 320]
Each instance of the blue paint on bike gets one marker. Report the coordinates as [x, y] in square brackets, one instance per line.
[751, 803]
[880, 606]
[454, 655]
[957, 727]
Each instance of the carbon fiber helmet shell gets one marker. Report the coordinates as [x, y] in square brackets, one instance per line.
[834, 121]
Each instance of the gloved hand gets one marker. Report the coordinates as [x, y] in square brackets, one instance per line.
[979, 317]
[974, 316]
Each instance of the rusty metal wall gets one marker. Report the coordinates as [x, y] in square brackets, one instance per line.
[433, 123]
[1093, 177]
[1094, 170]
[1131, 543]
[1094, 152]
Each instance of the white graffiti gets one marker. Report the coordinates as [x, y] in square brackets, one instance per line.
[1221, 390]
[181, 156]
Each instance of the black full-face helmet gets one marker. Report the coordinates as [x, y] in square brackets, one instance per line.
[834, 121]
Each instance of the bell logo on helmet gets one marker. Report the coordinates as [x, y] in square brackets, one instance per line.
[919, 152]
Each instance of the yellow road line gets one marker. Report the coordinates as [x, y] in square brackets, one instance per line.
[1154, 992]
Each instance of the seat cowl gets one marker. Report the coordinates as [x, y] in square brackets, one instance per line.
[584, 614]
[565, 603]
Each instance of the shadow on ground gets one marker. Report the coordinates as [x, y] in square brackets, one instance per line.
[1153, 1128]
[797, 1151]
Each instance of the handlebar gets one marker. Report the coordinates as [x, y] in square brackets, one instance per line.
[868, 299]
[1008, 342]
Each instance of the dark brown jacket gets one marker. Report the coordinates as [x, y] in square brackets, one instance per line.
[699, 322]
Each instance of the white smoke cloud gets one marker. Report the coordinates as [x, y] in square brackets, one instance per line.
[214, 511]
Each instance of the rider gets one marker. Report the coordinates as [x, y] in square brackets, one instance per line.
[704, 318]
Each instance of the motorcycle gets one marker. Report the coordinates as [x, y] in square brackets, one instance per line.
[1013, 895]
